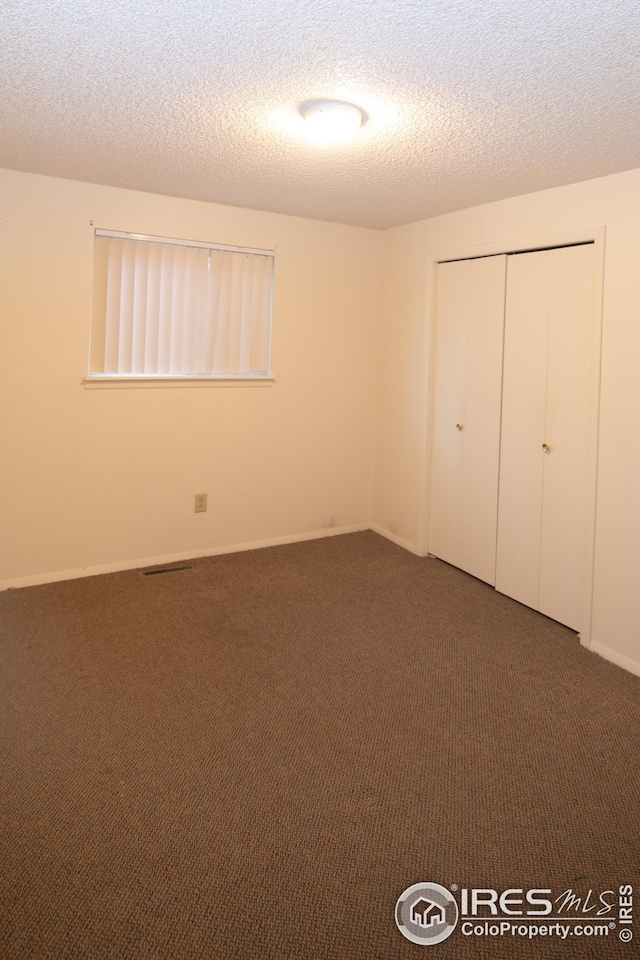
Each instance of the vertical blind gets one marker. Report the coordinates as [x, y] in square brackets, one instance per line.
[165, 308]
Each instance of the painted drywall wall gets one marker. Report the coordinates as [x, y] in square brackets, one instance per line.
[99, 479]
[402, 474]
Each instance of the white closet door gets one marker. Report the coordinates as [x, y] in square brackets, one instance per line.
[466, 443]
[523, 414]
[545, 425]
[567, 421]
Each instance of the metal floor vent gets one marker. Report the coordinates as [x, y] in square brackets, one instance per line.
[153, 573]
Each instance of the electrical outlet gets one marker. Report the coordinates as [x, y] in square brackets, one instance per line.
[201, 503]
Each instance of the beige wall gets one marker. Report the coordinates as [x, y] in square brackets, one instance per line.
[98, 479]
[401, 491]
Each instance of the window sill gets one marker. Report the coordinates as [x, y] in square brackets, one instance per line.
[118, 381]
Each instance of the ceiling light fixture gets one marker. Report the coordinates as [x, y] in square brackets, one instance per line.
[332, 121]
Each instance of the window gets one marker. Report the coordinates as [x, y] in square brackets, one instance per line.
[173, 308]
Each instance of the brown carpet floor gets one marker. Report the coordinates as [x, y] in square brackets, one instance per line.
[253, 758]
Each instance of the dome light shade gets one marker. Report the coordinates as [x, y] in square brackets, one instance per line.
[332, 121]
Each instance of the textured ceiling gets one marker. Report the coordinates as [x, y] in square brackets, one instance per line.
[468, 101]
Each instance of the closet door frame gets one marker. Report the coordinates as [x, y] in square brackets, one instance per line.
[595, 235]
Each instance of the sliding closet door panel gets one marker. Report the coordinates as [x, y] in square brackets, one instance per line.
[523, 417]
[545, 427]
[448, 454]
[564, 499]
[470, 319]
[481, 432]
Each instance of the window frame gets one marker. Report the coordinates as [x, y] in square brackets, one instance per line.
[137, 380]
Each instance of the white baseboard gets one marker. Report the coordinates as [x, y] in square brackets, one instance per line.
[140, 562]
[613, 656]
[411, 547]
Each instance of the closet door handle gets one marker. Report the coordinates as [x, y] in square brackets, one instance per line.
[459, 426]
[546, 448]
